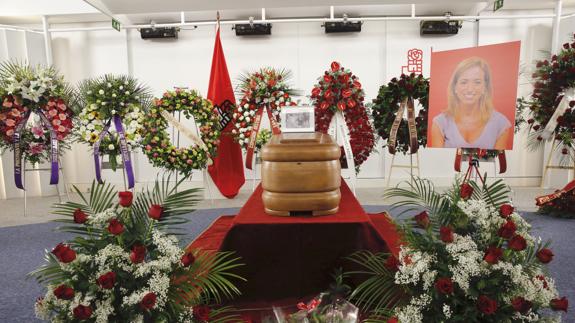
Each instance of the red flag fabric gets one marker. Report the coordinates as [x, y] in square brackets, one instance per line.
[227, 171]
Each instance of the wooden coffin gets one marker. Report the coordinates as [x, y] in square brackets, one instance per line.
[301, 174]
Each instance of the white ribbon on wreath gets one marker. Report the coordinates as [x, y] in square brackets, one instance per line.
[194, 137]
[338, 129]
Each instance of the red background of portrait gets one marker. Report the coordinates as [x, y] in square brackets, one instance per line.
[504, 62]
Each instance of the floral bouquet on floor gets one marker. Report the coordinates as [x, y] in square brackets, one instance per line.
[126, 265]
[468, 257]
[328, 307]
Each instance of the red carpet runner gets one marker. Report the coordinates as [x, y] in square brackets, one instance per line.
[288, 259]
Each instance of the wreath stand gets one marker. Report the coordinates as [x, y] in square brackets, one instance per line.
[549, 166]
[339, 131]
[176, 134]
[60, 169]
[411, 167]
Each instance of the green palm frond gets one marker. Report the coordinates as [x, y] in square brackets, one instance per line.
[420, 194]
[497, 193]
[49, 272]
[211, 276]
[100, 199]
[224, 314]
[378, 290]
[175, 204]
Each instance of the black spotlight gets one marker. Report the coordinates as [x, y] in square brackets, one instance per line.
[342, 27]
[253, 29]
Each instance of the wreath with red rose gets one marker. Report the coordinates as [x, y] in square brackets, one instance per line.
[156, 142]
[39, 97]
[551, 79]
[387, 103]
[266, 88]
[339, 90]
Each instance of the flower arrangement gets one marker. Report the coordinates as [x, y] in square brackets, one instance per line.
[267, 88]
[552, 78]
[263, 137]
[385, 108]
[156, 142]
[339, 90]
[103, 98]
[467, 257]
[39, 98]
[126, 265]
[561, 207]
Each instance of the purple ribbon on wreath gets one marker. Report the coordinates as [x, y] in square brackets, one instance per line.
[54, 176]
[123, 149]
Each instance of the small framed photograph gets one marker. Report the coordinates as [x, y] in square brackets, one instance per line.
[297, 119]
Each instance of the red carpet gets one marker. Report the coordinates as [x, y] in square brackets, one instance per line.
[288, 259]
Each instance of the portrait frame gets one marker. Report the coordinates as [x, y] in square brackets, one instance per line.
[498, 64]
[297, 119]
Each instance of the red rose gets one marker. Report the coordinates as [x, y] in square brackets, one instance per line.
[64, 253]
[64, 292]
[517, 243]
[422, 219]
[446, 234]
[155, 211]
[492, 255]
[107, 280]
[79, 216]
[328, 94]
[351, 103]
[393, 320]
[125, 198]
[188, 259]
[202, 312]
[507, 230]
[521, 305]
[545, 255]
[148, 302]
[506, 210]
[341, 105]
[486, 305]
[82, 312]
[444, 285]
[357, 85]
[392, 263]
[346, 93]
[465, 191]
[327, 78]
[315, 92]
[335, 66]
[138, 253]
[559, 304]
[115, 227]
[324, 105]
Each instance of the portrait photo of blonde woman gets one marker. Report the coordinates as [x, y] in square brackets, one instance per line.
[468, 116]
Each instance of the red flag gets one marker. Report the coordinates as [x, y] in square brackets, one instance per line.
[227, 171]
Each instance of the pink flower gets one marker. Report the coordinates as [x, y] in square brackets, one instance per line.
[16, 112]
[36, 149]
[62, 116]
[61, 128]
[10, 132]
[10, 122]
[38, 132]
[52, 113]
[56, 122]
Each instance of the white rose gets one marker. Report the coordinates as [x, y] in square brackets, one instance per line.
[252, 113]
[113, 111]
[246, 106]
[241, 118]
[126, 83]
[113, 95]
[122, 103]
[248, 119]
[127, 92]
[242, 135]
[111, 147]
[235, 115]
[137, 97]
[101, 91]
[234, 131]
[109, 84]
[103, 103]
[247, 113]
[89, 92]
[121, 87]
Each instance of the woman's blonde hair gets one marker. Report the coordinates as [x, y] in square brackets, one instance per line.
[486, 100]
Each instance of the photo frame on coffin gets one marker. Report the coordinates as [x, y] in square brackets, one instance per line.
[297, 119]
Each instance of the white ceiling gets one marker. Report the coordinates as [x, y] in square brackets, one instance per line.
[166, 11]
